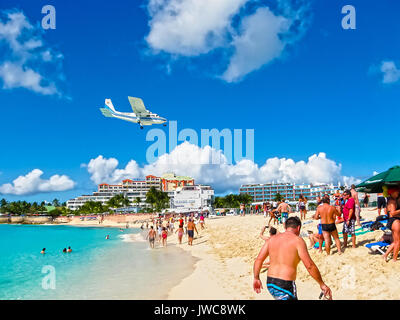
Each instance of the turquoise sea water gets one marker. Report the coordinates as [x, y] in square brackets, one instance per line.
[97, 268]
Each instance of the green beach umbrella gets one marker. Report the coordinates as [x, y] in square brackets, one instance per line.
[389, 178]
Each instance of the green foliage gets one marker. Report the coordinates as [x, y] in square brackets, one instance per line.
[55, 203]
[118, 201]
[92, 207]
[26, 208]
[157, 199]
[232, 200]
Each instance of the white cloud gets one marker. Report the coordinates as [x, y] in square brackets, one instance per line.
[390, 72]
[258, 43]
[26, 61]
[190, 28]
[191, 160]
[32, 183]
[105, 170]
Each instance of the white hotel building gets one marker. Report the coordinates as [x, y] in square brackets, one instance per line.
[132, 189]
[181, 190]
[192, 197]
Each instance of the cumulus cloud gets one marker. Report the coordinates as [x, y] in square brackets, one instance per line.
[248, 33]
[390, 72]
[191, 160]
[27, 62]
[105, 170]
[255, 47]
[32, 183]
[190, 27]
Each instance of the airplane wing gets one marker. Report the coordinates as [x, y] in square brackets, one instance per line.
[138, 107]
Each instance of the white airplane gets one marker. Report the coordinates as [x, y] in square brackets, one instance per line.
[140, 114]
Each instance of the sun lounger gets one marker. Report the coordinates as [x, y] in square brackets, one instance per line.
[380, 247]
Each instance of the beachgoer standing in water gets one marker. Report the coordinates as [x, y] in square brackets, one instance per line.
[151, 236]
[190, 231]
[327, 214]
[285, 251]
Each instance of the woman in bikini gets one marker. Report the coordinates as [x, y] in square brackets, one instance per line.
[393, 209]
[302, 207]
[164, 235]
[180, 233]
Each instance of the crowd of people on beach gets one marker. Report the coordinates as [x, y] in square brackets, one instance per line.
[160, 228]
[285, 250]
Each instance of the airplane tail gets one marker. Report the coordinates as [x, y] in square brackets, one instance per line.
[106, 112]
[110, 105]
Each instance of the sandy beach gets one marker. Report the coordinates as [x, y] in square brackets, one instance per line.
[226, 250]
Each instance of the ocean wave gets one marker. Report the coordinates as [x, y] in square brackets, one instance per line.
[133, 237]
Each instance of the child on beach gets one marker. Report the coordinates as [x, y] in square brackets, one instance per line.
[180, 233]
[164, 235]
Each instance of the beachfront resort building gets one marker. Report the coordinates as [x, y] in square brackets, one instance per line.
[291, 192]
[192, 197]
[133, 189]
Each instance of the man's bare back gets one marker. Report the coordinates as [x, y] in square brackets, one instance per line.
[285, 251]
[283, 207]
[284, 257]
[327, 213]
[354, 194]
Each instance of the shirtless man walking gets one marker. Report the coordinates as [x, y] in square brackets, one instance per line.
[190, 231]
[151, 236]
[284, 210]
[285, 251]
[327, 214]
[354, 194]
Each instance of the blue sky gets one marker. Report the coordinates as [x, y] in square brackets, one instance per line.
[324, 92]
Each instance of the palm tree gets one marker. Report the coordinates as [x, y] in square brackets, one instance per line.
[157, 199]
[3, 205]
[118, 201]
[55, 203]
[137, 201]
[278, 197]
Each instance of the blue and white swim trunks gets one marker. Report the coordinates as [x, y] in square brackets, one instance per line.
[282, 289]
